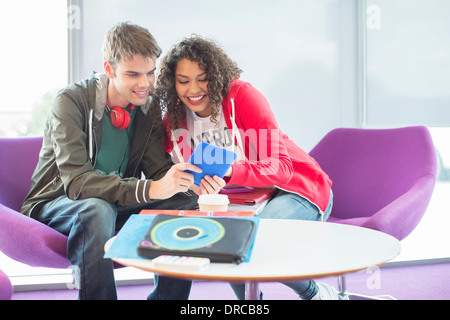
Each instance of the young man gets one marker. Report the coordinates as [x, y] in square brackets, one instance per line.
[88, 178]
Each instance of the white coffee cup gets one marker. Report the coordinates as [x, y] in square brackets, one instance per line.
[213, 202]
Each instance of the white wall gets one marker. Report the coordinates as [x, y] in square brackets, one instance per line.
[301, 54]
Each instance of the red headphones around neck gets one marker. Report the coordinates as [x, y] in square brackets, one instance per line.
[120, 117]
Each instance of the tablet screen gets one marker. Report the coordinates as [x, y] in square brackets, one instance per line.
[213, 160]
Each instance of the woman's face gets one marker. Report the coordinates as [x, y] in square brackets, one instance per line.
[191, 84]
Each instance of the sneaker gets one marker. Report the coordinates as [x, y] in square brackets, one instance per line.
[327, 292]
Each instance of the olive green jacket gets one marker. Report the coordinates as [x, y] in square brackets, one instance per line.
[72, 138]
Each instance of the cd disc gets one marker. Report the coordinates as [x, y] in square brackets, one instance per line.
[187, 234]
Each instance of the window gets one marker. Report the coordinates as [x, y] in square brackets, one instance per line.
[34, 68]
[406, 75]
[407, 62]
[34, 63]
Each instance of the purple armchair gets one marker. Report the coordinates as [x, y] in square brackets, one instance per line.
[5, 287]
[383, 179]
[22, 238]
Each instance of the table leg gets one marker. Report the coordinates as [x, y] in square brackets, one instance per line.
[252, 290]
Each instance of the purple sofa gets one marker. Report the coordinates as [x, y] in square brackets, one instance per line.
[383, 179]
[5, 287]
[22, 238]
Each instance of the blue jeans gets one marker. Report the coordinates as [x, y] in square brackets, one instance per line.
[287, 205]
[88, 224]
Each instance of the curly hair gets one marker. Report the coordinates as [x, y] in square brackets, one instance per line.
[220, 70]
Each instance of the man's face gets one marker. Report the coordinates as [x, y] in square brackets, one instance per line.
[131, 81]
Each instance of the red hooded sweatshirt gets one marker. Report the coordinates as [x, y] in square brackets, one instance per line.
[272, 158]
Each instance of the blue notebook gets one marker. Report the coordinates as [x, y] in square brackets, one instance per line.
[213, 160]
[125, 244]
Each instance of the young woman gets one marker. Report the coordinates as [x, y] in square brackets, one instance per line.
[203, 99]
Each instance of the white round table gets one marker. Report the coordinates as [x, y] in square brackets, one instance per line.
[290, 250]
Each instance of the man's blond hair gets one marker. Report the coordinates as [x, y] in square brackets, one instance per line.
[126, 40]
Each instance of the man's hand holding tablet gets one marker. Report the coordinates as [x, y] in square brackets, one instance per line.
[177, 179]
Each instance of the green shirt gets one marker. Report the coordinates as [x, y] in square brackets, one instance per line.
[112, 158]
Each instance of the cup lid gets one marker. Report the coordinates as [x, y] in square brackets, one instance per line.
[213, 199]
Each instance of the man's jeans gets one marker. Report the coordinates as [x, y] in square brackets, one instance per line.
[88, 224]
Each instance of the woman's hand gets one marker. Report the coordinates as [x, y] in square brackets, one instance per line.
[211, 185]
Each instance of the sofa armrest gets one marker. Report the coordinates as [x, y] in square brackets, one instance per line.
[31, 242]
[401, 216]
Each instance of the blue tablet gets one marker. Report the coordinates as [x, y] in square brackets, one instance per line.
[213, 160]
